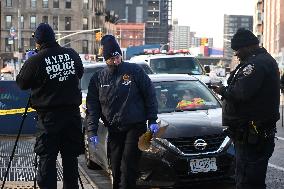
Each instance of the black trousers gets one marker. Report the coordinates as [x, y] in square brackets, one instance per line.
[58, 132]
[251, 163]
[125, 156]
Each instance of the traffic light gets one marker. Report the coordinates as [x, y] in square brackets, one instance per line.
[203, 41]
[99, 36]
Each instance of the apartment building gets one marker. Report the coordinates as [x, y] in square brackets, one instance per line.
[19, 19]
[231, 25]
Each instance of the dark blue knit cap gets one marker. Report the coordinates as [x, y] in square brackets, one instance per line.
[110, 47]
[44, 33]
[243, 38]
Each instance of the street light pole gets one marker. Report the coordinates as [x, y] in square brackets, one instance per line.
[19, 36]
[78, 32]
[120, 31]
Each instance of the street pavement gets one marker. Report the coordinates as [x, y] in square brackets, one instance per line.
[22, 171]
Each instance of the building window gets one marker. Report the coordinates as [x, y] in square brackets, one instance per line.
[8, 46]
[55, 3]
[85, 47]
[8, 21]
[45, 19]
[85, 23]
[67, 43]
[67, 23]
[44, 3]
[8, 3]
[128, 2]
[33, 3]
[22, 22]
[33, 22]
[139, 14]
[32, 43]
[55, 22]
[68, 4]
[85, 4]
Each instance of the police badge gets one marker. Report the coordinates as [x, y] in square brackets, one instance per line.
[126, 79]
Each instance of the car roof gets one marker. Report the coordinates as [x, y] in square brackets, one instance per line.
[93, 65]
[103, 64]
[171, 77]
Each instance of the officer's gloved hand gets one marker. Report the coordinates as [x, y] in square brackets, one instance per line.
[154, 127]
[30, 53]
[94, 140]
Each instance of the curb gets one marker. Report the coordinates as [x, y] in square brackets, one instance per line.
[87, 177]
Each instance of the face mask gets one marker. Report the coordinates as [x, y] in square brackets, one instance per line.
[112, 68]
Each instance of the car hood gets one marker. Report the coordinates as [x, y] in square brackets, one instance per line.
[204, 78]
[192, 123]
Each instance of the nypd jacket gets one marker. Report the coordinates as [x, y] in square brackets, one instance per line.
[53, 77]
[121, 98]
[253, 91]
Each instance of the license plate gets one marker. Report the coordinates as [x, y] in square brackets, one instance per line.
[203, 165]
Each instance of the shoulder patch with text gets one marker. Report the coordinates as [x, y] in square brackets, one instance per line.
[249, 69]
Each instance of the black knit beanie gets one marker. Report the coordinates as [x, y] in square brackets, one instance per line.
[243, 38]
[44, 33]
[110, 47]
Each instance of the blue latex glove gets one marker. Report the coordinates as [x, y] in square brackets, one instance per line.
[94, 140]
[154, 128]
[30, 53]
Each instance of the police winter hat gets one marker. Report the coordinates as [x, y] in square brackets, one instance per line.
[44, 33]
[243, 38]
[110, 47]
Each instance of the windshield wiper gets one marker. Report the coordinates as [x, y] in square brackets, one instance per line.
[192, 109]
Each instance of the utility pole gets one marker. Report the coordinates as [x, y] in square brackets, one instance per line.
[19, 35]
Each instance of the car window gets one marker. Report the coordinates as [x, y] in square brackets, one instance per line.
[88, 73]
[146, 68]
[184, 96]
[176, 65]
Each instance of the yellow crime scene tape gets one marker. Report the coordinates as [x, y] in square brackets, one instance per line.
[15, 111]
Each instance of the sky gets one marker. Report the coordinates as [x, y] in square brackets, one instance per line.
[206, 17]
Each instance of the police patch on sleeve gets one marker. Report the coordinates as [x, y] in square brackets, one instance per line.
[248, 69]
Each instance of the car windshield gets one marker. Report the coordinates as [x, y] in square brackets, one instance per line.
[184, 96]
[176, 65]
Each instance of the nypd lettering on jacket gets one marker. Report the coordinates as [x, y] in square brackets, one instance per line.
[59, 67]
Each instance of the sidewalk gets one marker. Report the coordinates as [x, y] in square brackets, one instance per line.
[22, 172]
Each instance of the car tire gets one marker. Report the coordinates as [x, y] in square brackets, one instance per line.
[90, 164]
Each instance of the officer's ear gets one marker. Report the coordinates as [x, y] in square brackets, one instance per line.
[37, 46]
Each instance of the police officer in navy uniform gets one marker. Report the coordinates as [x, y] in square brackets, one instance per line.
[53, 76]
[251, 109]
[123, 96]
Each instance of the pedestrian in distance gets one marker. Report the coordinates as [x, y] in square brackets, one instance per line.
[123, 96]
[53, 76]
[251, 109]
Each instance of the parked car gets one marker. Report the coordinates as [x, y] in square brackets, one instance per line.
[194, 147]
